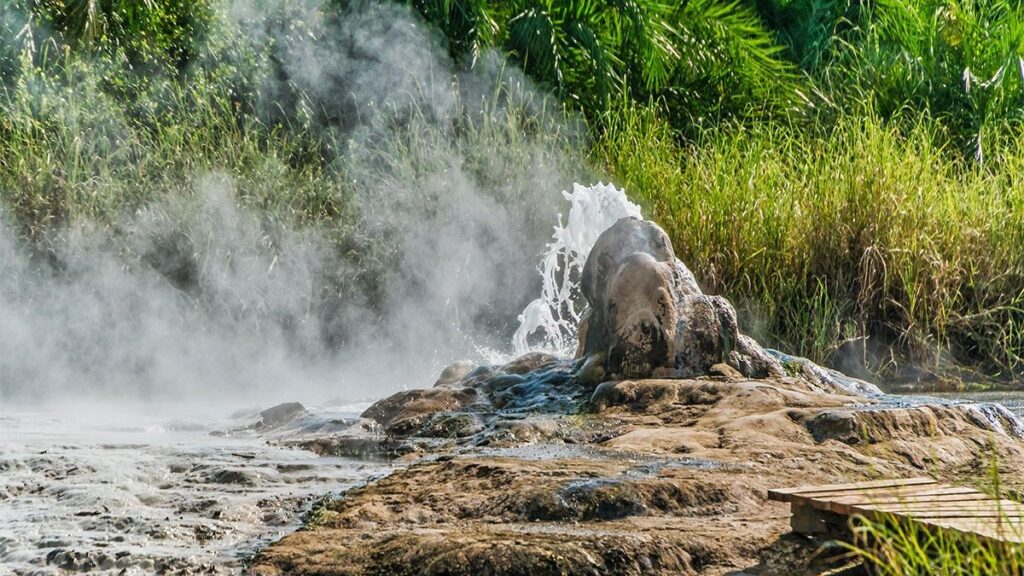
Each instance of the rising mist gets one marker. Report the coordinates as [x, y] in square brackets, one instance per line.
[454, 174]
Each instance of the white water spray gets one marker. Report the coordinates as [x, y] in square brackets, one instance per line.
[550, 322]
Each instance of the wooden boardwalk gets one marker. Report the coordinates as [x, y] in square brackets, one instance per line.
[819, 510]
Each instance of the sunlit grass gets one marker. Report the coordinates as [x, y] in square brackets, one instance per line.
[868, 231]
[892, 546]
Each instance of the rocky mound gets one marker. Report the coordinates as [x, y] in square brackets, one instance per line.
[647, 317]
[650, 453]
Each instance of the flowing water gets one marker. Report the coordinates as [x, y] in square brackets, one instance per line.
[1013, 400]
[119, 492]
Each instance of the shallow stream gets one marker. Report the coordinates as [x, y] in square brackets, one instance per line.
[113, 491]
[123, 491]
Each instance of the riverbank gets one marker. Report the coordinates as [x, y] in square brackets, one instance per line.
[629, 477]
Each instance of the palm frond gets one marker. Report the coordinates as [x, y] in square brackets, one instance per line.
[531, 36]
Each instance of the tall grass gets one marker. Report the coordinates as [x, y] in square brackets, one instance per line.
[893, 546]
[868, 240]
[70, 152]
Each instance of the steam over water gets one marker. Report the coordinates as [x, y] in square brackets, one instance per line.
[95, 483]
[453, 176]
[130, 493]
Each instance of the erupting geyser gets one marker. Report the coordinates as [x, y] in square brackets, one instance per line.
[553, 318]
[615, 293]
[647, 317]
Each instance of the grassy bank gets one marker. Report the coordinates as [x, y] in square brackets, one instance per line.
[865, 246]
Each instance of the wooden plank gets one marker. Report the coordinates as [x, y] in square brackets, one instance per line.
[909, 494]
[997, 529]
[785, 494]
[987, 515]
[1008, 532]
[869, 490]
[982, 516]
[921, 500]
[925, 506]
[844, 505]
[937, 498]
[881, 493]
[967, 501]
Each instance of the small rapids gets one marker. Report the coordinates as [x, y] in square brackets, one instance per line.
[118, 494]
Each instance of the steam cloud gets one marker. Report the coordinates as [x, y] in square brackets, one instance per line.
[195, 297]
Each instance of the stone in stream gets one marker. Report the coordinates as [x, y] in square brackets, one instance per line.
[281, 414]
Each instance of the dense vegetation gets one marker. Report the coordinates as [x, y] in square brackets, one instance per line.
[847, 172]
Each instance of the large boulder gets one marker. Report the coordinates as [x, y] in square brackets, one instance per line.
[648, 317]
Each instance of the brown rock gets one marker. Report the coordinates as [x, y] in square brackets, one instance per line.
[647, 316]
[667, 477]
[407, 411]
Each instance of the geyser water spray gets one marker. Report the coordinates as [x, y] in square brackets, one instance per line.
[550, 322]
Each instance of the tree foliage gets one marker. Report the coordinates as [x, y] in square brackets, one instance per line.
[695, 55]
[704, 62]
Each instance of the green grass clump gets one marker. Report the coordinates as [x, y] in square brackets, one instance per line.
[893, 546]
[866, 233]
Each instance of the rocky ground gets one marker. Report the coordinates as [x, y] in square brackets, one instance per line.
[651, 453]
[524, 469]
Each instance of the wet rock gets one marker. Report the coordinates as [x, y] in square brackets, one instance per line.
[454, 408]
[231, 476]
[56, 556]
[451, 425]
[614, 498]
[648, 317]
[642, 395]
[545, 390]
[517, 432]
[726, 371]
[923, 436]
[282, 414]
[404, 413]
[358, 447]
[490, 550]
[529, 362]
[995, 417]
[104, 562]
[204, 533]
[827, 380]
[454, 372]
[838, 425]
